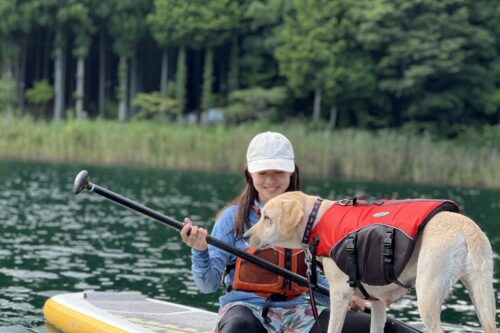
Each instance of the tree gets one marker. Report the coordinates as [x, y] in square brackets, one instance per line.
[127, 26]
[40, 95]
[261, 26]
[219, 18]
[168, 22]
[254, 103]
[62, 16]
[78, 18]
[16, 23]
[435, 59]
[100, 11]
[163, 31]
[196, 24]
[318, 54]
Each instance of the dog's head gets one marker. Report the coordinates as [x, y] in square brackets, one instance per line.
[280, 223]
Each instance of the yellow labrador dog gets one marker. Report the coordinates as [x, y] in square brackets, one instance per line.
[450, 247]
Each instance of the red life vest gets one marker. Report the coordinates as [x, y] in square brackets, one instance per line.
[373, 234]
[253, 278]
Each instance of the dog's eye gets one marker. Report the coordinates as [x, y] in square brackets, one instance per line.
[266, 218]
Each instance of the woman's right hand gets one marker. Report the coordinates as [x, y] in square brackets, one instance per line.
[197, 238]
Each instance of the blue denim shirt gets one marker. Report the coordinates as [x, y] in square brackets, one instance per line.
[208, 266]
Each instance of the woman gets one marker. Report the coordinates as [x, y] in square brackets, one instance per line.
[255, 300]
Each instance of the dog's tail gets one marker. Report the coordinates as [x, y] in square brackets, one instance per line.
[478, 274]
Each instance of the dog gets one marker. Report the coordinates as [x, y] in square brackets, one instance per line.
[450, 247]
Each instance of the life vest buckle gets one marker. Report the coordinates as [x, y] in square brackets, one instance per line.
[388, 245]
[345, 202]
[351, 243]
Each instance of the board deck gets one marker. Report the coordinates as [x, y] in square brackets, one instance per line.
[112, 312]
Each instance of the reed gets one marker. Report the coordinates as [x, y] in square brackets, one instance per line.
[343, 154]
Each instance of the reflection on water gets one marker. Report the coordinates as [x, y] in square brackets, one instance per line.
[52, 242]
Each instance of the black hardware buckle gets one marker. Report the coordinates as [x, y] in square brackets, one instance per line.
[351, 243]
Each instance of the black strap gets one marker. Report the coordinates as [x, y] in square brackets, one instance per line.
[312, 279]
[388, 255]
[288, 265]
[267, 304]
[364, 292]
[352, 267]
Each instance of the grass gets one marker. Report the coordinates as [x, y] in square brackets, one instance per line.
[343, 154]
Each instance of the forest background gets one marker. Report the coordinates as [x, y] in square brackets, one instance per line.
[405, 90]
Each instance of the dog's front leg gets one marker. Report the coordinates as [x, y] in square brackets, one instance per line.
[340, 295]
[338, 311]
[378, 317]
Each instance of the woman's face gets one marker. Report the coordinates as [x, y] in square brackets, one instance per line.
[270, 183]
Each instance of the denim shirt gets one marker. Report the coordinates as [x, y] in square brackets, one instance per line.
[209, 265]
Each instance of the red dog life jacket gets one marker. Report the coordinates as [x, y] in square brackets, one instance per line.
[372, 241]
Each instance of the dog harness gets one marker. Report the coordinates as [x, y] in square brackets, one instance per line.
[371, 241]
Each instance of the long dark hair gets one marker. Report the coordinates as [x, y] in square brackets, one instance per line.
[247, 197]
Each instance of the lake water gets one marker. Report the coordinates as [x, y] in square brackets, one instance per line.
[53, 242]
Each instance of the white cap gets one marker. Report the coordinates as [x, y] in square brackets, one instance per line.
[270, 151]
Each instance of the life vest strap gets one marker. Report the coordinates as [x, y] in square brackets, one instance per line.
[352, 261]
[312, 276]
[353, 266]
[388, 254]
[267, 304]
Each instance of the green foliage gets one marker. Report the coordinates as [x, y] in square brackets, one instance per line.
[153, 106]
[422, 65]
[7, 93]
[263, 22]
[254, 103]
[111, 108]
[196, 23]
[484, 136]
[127, 24]
[434, 59]
[82, 26]
[41, 93]
[385, 155]
[317, 52]
[121, 89]
[233, 80]
[207, 97]
[16, 22]
[181, 79]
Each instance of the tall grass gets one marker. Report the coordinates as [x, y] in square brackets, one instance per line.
[343, 154]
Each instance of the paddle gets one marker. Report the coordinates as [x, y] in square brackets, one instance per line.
[82, 183]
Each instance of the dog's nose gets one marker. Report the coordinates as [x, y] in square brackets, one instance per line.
[245, 237]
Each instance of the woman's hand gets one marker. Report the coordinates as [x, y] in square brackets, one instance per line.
[197, 238]
[357, 304]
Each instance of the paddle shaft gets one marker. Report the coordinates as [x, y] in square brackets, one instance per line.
[210, 240]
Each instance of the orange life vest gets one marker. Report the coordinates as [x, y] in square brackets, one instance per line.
[253, 278]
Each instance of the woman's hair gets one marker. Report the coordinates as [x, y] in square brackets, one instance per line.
[245, 200]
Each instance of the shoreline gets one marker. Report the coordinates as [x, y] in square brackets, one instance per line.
[341, 154]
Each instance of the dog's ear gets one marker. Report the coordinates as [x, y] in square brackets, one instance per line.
[292, 213]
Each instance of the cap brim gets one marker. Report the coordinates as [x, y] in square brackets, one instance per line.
[271, 164]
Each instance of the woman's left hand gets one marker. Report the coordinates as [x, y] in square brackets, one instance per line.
[357, 304]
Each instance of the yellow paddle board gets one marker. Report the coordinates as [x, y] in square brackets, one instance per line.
[111, 312]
